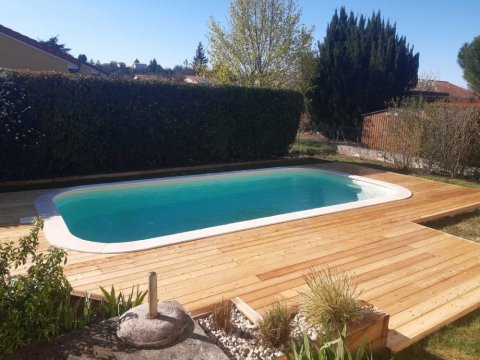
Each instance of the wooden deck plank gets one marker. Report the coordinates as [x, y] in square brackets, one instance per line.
[425, 278]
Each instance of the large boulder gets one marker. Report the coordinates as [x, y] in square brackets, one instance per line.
[137, 329]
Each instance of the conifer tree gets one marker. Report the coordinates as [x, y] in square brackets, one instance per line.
[53, 43]
[200, 61]
[469, 61]
[153, 66]
[82, 58]
[362, 64]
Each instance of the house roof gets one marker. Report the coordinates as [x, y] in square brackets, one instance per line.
[36, 44]
[444, 89]
[198, 80]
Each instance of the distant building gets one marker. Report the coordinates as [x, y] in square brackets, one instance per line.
[436, 90]
[197, 80]
[19, 52]
[118, 64]
[148, 77]
[139, 66]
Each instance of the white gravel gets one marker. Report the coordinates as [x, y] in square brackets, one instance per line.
[244, 343]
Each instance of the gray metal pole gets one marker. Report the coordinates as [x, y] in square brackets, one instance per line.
[152, 295]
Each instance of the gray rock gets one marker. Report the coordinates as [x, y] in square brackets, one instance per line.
[135, 328]
[98, 341]
[198, 346]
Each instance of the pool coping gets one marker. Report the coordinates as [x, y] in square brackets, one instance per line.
[58, 234]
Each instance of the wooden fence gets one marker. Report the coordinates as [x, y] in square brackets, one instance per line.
[374, 130]
[375, 126]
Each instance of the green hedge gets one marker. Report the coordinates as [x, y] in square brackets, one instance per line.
[56, 125]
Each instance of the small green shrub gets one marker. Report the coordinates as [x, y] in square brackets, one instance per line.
[330, 350]
[38, 305]
[331, 300]
[34, 306]
[115, 305]
[276, 326]
[222, 316]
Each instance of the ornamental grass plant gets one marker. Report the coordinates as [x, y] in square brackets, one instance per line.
[331, 300]
[276, 325]
[222, 316]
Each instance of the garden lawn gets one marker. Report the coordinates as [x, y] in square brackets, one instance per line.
[465, 225]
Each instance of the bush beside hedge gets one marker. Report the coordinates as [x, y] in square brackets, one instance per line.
[57, 125]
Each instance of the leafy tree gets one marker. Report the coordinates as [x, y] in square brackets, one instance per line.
[136, 61]
[469, 61]
[263, 43]
[222, 74]
[82, 58]
[362, 64]
[308, 66]
[153, 66]
[200, 61]
[53, 43]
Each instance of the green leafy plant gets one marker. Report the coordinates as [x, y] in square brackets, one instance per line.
[77, 314]
[88, 313]
[331, 300]
[330, 350]
[33, 304]
[36, 304]
[222, 316]
[69, 319]
[276, 325]
[115, 305]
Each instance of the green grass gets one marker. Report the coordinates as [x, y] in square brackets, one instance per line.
[461, 182]
[311, 147]
[470, 183]
[466, 226]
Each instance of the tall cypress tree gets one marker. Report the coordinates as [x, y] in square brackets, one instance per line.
[362, 64]
[200, 61]
[469, 61]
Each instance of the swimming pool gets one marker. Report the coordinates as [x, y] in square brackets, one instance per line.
[136, 215]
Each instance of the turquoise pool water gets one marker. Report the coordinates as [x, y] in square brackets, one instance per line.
[145, 210]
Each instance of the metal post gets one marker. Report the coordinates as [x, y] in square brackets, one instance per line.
[152, 295]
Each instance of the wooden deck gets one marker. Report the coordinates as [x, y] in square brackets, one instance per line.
[423, 278]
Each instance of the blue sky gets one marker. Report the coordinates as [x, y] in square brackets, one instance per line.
[169, 30]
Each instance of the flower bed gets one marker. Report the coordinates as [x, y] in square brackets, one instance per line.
[244, 340]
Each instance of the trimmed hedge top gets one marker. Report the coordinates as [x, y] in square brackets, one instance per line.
[57, 125]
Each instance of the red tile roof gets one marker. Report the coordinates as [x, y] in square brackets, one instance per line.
[453, 90]
[36, 44]
[447, 90]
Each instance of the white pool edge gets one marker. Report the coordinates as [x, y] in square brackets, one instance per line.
[57, 233]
